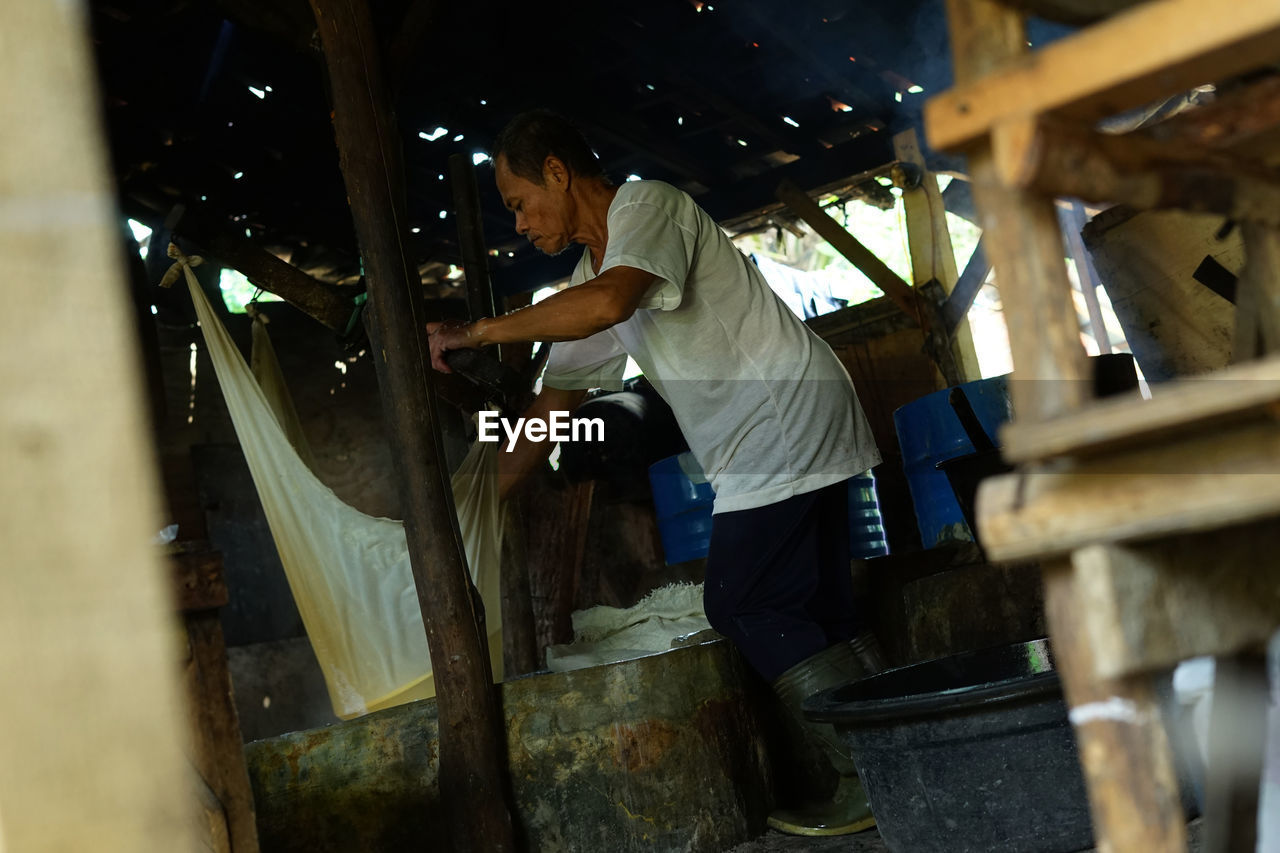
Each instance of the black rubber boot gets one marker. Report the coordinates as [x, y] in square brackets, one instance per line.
[847, 810]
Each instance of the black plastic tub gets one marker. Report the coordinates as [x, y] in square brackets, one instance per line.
[966, 754]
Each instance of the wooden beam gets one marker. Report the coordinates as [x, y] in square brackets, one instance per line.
[1153, 604]
[1244, 120]
[316, 299]
[1159, 48]
[1244, 392]
[473, 784]
[857, 254]
[1210, 480]
[1056, 158]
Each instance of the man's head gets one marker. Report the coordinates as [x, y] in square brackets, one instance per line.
[531, 137]
[537, 160]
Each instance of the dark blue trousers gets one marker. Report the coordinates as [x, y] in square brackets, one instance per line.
[778, 582]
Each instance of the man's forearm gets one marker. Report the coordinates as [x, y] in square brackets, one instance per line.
[570, 315]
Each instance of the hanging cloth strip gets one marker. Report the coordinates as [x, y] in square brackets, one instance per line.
[349, 572]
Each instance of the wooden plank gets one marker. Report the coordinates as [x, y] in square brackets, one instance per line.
[1228, 476]
[1153, 604]
[1239, 393]
[1159, 48]
[473, 784]
[1124, 748]
[91, 755]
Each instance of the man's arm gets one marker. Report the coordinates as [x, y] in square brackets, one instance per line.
[515, 466]
[570, 315]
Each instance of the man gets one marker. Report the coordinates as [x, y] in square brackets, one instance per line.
[767, 409]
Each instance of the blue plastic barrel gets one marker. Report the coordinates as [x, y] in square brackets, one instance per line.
[928, 433]
[682, 498]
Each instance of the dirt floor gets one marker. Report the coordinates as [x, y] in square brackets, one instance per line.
[864, 842]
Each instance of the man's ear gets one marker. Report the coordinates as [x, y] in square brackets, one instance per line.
[555, 173]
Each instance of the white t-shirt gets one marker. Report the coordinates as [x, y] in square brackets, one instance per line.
[768, 410]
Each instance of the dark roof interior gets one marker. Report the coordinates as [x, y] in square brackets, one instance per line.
[722, 98]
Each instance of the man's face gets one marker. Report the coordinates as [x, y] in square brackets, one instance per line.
[542, 212]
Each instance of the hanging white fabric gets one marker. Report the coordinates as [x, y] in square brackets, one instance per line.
[349, 572]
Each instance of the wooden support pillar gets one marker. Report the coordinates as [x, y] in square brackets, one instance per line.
[929, 239]
[91, 756]
[1124, 751]
[217, 745]
[474, 788]
[466, 207]
[1023, 238]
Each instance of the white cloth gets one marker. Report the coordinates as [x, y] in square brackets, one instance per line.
[604, 635]
[768, 410]
[349, 572]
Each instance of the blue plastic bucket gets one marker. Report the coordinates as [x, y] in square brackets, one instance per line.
[866, 527]
[928, 433]
[682, 498]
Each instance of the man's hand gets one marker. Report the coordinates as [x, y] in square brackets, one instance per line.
[449, 335]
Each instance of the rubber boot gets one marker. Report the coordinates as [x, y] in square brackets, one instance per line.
[847, 810]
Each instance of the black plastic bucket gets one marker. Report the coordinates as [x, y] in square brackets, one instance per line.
[967, 753]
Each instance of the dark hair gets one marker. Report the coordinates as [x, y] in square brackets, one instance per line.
[531, 137]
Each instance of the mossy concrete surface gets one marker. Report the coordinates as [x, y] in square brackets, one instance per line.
[662, 753]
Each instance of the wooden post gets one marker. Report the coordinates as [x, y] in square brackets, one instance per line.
[932, 256]
[1123, 748]
[466, 207]
[217, 745]
[473, 784]
[1127, 760]
[91, 755]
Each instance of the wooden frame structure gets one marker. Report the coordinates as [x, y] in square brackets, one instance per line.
[1124, 502]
